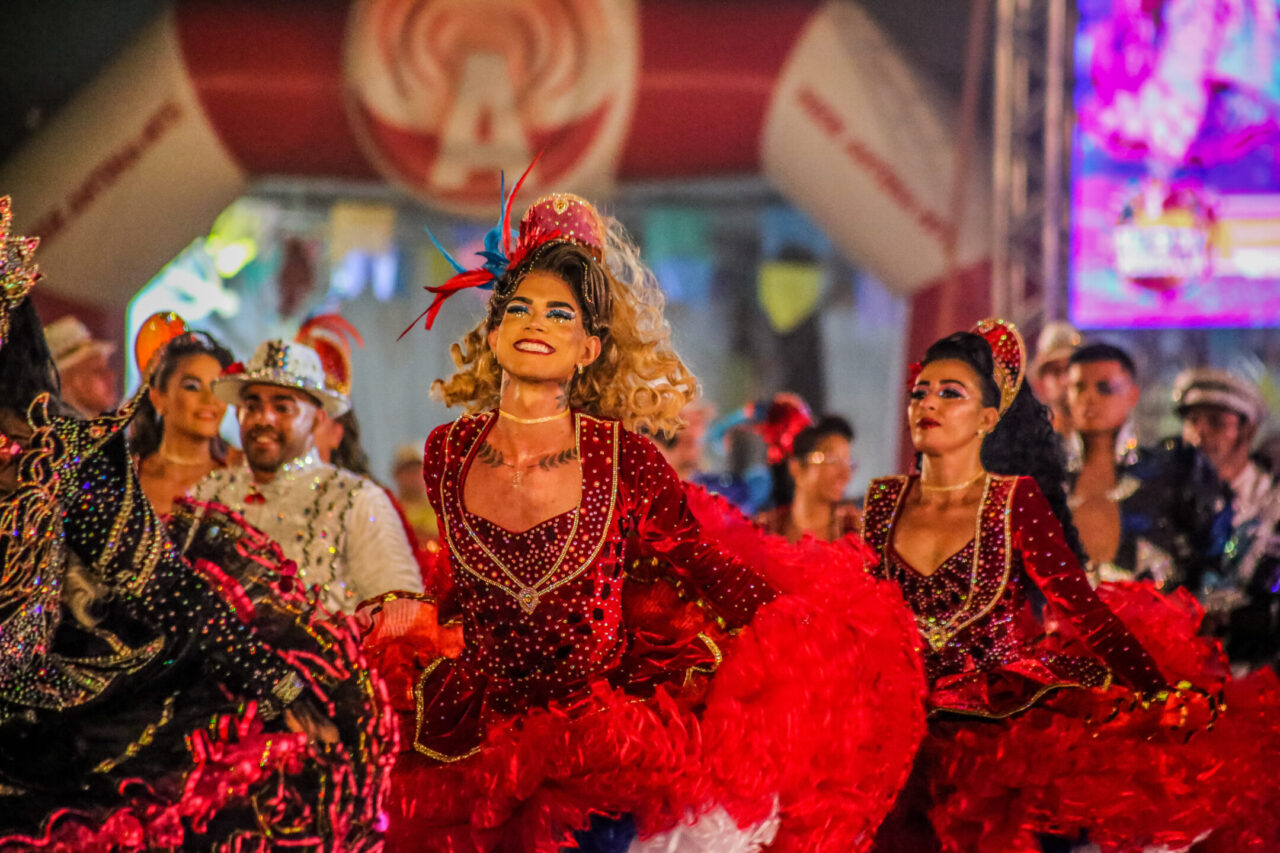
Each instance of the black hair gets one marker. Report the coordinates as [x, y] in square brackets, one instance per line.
[806, 441]
[1023, 442]
[349, 454]
[1096, 352]
[578, 266]
[26, 366]
[147, 429]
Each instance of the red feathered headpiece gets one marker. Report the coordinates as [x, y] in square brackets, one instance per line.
[330, 335]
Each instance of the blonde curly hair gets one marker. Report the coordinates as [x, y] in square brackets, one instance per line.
[638, 378]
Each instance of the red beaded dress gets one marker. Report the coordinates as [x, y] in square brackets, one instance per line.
[616, 659]
[1041, 719]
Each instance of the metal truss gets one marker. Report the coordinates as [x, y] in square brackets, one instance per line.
[1032, 127]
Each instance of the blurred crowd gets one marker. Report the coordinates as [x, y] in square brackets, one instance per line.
[1198, 510]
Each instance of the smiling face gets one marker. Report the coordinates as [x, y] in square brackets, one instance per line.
[186, 401]
[540, 336]
[1100, 396]
[276, 425]
[946, 411]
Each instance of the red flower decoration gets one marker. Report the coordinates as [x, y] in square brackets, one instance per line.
[913, 373]
[233, 369]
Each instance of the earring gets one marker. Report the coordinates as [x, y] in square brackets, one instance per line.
[580, 369]
[982, 432]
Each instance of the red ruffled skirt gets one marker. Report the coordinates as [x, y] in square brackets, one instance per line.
[1103, 765]
[814, 712]
[201, 770]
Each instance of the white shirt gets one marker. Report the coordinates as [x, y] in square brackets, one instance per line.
[340, 528]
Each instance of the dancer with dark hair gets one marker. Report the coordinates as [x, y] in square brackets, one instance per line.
[1050, 716]
[175, 433]
[156, 696]
[624, 682]
[818, 468]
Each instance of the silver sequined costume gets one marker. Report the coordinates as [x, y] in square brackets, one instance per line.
[340, 528]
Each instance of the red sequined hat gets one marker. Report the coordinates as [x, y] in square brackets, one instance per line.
[555, 217]
[1010, 356]
[564, 216]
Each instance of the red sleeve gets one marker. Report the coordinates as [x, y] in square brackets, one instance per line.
[666, 525]
[1050, 563]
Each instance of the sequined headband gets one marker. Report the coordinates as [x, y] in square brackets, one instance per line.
[18, 269]
[559, 217]
[1010, 357]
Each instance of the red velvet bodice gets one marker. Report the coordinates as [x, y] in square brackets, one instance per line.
[988, 652]
[542, 609]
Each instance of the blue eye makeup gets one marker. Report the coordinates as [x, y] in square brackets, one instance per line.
[561, 314]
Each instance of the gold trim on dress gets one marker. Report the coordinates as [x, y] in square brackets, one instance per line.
[417, 729]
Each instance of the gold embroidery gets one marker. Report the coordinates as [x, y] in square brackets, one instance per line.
[937, 636]
[528, 596]
[144, 739]
[417, 729]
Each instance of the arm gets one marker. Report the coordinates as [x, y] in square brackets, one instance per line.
[1038, 536]
[666, 525]
[377, 552]
[111, 526]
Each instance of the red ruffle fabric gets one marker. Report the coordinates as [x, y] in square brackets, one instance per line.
[816, 709]
[230, 782]
[1199, 765]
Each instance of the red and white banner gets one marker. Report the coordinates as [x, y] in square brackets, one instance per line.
[437, 96]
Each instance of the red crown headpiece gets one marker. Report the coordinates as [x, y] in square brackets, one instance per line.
[1010, 354]
[559, 216]
[563, 216]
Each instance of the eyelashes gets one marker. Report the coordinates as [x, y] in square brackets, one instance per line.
[945, 393]
[560, 315]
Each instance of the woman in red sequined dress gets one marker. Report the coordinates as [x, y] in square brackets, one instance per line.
[1051, 710]
[622, 682]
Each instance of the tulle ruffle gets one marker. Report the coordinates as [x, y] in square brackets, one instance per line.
[1105, 765]
[814, 713]
[207, 772]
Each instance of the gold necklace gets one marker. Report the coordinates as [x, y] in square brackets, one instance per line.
[966, 484]
[563, 413]
[178, 460]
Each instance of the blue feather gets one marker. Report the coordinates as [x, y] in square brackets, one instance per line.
[448, 257]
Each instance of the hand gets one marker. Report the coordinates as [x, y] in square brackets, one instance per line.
[302, 716]
[1187, 708]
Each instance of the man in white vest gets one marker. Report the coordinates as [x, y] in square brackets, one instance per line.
[340, 528]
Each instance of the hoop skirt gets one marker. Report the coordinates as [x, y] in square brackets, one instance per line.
[658, 675]
[1085, 716]
[144, 688]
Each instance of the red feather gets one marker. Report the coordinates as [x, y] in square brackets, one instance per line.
[335, 323]
[511, 200]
